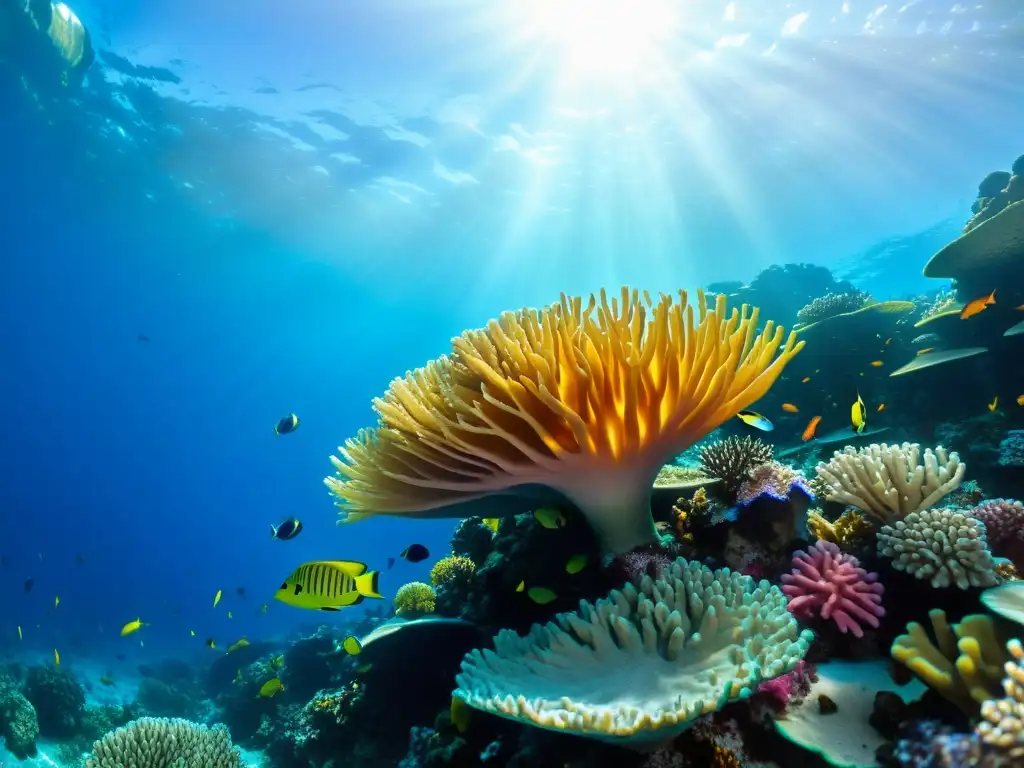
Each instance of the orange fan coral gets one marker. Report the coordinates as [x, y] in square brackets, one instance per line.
[585, 400]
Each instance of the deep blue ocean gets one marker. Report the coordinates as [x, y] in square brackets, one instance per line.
[252, 209]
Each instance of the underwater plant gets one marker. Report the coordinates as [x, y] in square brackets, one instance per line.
[585, 399]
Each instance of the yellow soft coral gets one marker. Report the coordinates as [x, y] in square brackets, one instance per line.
[414, 597]
[964, 664]
[845, 531]
[450, 569]
[588, 398]
[688, 513]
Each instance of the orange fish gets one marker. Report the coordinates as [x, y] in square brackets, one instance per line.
[993, 405]
[925, 351]
[790, 408]
[881, 407]
[811, 426]
[978, 305]
[805, 379]
[877, 363]
[1020, 399]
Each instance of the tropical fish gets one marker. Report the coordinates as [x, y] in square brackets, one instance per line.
[20, 636]
[460, 713]
[925, 351]
[277, 662]
[877, 363]
[131, 627]
[549, 518]
[29, 583]
[977, 305]
[805, 379]
[362, 669]
[56, 600]
[812, 425]
[541, 595]
[271, 688]
[240, 591]
[993, 405]
[329, 585]
[352, 646]
[415, 553]
[790, 408]
[858, 415]
[264, 608]
[238, 677]
[521, 587]
[287, 530]
[391, 563]
[492, 523]
[887, 341]
[56, 657]
[576, 564]
[239, 643]
[192, 633]
[1020, 399]
[881, 407]
[755, 420]
[210, 643]
[230, 616]
[106, 679]
[217, 597]
[287, 424]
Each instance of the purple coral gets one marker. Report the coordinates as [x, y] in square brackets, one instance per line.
[828, 583]
[1004, 524]
[773, 480]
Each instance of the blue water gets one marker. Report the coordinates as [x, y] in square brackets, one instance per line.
[295, 202]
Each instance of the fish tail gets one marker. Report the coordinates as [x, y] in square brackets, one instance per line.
[273, 531]
[367, 584]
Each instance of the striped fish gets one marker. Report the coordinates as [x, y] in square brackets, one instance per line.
[329, 585]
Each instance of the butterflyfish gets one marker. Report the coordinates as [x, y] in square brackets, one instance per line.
[978, 305]
[287, 424]
[329, 585]
[812, 426]
[755, 420]
[211, 643]
[549, 517]
[271, 688]
[492, 523]
[576, 564]
[287, 530]
[858, 415]
[352, 646]
[229, 615]
[277, 662]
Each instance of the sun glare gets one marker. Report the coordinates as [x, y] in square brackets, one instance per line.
[605, 36]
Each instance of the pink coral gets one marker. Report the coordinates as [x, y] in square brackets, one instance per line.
[829, 583]
[1004, 524]
[772, 480]
[797, 682]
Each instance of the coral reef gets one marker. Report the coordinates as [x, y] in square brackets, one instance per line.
[1004, 524]
[830, 305]
[849, 530]
[732, 458]
[715, 635]
[515, 405]
[19, 726]
[1002, 726]
[451, 570]
[158, 743]
[828, 583]
[1011, 449]
[414, 597]
[58, 698]
[888, 482]
[944, 546]
[773, 480]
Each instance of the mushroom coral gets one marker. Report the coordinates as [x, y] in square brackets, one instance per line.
[642, 665]
[583, 400]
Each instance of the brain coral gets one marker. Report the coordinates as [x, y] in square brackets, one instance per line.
[587, 399]
[641, 665]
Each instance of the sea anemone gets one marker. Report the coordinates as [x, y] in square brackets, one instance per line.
[584, 399]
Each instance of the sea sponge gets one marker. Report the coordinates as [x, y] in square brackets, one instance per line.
[414, 597]
[888, 482]
[965, 662]
[587, 399]
[451, 569]
[772, 480]
[943, 546]
[732, 458]
[828, 583]
[641, 665]
[156, 742]
[1003, 723]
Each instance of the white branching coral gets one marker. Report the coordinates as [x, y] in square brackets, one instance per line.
[641, 665]
[1002, 726]
[944, 546]
[888, 482]
[157, 742]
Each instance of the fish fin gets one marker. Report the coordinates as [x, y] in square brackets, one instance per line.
[349, 567]
[367, 584]
[273, 531]
[329, 608]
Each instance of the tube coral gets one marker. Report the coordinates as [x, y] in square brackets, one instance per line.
[828, 583]
[641, 665]
[587, 399]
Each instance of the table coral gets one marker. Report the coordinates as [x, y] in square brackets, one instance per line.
[826, 582]
[586, 398]
[643, 664]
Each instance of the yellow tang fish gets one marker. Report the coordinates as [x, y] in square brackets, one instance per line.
[521, 587]
[352, 646]
[329, 585]
[277, 662]
[541, 595]
[271, 688]
[993, 405]
[460, 713]
[576, 564]
[549, 518]
[131, 627]
[217, 597]
[492, 523]
[240, 643]
[56, 657]
[858, 415]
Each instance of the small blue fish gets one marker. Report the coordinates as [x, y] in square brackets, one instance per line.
[755, 420]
